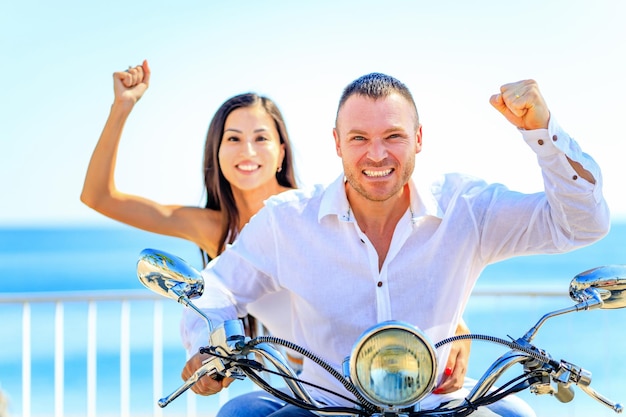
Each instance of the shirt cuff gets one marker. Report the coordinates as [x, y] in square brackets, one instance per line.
[554, 141]
[550, 141]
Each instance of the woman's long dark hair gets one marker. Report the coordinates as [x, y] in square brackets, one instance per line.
[218, 190]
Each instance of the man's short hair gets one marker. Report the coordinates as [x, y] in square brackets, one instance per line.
[376, 85]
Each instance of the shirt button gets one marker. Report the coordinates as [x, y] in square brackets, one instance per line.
[575, 177]
[380, 284]
[362, 241]
[540, 141]
[554, 138]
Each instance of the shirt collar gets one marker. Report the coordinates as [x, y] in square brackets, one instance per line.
[335, 202]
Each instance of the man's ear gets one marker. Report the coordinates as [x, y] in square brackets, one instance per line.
[337, 147]
[418, 139]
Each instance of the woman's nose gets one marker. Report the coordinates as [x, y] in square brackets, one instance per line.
[249, 148]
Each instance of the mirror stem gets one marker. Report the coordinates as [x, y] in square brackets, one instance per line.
[591, 303]
[184, 300]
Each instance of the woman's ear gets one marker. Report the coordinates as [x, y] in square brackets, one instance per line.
[281, 158]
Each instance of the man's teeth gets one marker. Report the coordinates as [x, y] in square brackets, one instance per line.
[248, 167]
[377, 173]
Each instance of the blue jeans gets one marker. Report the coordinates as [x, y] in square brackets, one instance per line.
[262, 404]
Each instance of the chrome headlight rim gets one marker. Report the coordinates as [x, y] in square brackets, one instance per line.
[422, 341]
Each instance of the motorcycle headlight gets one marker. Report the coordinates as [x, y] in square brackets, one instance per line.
[393, 364]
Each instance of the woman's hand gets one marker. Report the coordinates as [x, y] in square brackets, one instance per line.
[130, 85]
[456, 367]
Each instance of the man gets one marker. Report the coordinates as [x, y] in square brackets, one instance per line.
[372, 247]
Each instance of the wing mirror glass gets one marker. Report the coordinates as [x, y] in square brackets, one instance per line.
[169, 275]
[605, 283]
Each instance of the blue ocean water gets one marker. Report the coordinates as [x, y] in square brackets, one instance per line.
[93, 259]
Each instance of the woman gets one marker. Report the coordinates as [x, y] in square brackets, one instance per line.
[247, 159]
[247, 139]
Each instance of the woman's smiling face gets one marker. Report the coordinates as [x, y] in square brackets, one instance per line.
[250, 151]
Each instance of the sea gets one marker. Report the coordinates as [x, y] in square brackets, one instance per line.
[64, 259]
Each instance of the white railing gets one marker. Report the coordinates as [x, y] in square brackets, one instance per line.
[161, 333]
[57, 406]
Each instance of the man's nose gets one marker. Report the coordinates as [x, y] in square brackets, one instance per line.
[377, 151]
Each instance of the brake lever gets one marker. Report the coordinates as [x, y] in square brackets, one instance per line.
[569, 372]
[207, 369]
[617, 407]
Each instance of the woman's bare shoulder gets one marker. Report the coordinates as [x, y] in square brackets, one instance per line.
[200, 225]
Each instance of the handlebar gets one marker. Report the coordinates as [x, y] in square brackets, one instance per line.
[562, 373]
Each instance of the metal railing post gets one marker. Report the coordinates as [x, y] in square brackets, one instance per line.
[125, 359]
[26, 360]
[157, 356]
[59, 359]
[92, 355]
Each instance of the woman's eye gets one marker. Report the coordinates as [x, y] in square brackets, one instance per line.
[232, 139]
[262, 139]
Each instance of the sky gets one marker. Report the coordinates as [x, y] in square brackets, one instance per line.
[57, 60]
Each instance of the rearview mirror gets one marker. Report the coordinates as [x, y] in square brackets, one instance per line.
[169, 275]
[605, 283]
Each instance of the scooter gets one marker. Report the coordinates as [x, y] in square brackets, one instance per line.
[392, 366]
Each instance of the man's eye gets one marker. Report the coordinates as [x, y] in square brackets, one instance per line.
[358, 138]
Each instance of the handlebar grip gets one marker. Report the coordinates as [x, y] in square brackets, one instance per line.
[564, 393]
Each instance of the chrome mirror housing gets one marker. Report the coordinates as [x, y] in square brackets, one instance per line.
[169, 275]
[606, 284]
